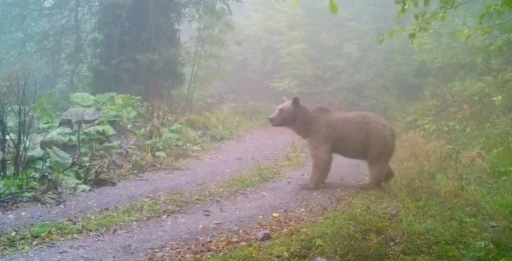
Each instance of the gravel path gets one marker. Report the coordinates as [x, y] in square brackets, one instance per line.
[129, 242]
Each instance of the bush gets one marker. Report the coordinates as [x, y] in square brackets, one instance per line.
[108, 137]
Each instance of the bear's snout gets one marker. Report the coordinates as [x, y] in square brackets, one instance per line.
[273, 121]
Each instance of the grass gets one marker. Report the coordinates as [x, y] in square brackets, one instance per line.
[257, 175]
[44, 233]
[443, 205]
[228, 120]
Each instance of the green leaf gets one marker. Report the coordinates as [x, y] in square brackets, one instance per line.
[333, 6]
[380, 39]
[59, 160]
[124, 100]
[35, 153]
[498, 99]
[36, 164]
[104, 130]
[176, 128]
[109, 131]
[171, 136]
[109, 147]
[80, 188]
[82, 99]
[72, 185]
[104, 97]
[61, 135]
[84, 115]
[174, 133]
[34, 150]
[464, 33]
[41, 110]
[160, 154]
[412, 36]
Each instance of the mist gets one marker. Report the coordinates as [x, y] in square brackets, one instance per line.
[156, 113]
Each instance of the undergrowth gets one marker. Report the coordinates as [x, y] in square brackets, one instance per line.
[227, 120]
[109, 137]
[447, 202]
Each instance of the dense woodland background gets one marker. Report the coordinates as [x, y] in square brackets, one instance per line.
[96, 91]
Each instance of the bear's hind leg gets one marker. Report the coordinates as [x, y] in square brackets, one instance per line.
[378, 174]
[389, 175]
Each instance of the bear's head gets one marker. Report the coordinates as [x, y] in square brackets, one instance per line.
[286, 114]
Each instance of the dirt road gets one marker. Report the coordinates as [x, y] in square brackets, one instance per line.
[230, 159]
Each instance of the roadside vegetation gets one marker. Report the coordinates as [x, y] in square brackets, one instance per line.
[442, 206]
[103, 139]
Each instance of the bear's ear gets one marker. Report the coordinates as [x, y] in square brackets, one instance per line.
[296, 101]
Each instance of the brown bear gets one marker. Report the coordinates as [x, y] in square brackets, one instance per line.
[356, 135]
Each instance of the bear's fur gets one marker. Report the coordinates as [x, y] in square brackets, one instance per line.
[356, 135]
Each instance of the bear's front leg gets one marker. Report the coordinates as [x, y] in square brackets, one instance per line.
[322, 160]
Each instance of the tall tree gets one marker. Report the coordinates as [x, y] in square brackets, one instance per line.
[208, 58]
[140, 48]
[50, 36]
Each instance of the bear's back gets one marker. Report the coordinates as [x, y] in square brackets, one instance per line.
[353, 134]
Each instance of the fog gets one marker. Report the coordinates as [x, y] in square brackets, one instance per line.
[259, 48]
[96, 94]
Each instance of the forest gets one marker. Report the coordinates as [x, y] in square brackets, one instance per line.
[118, 115]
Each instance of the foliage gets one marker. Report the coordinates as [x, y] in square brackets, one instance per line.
[222, 123]
[132, 47]
[492, 17]
[123, 108]
[105, 137]
[18, 92]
